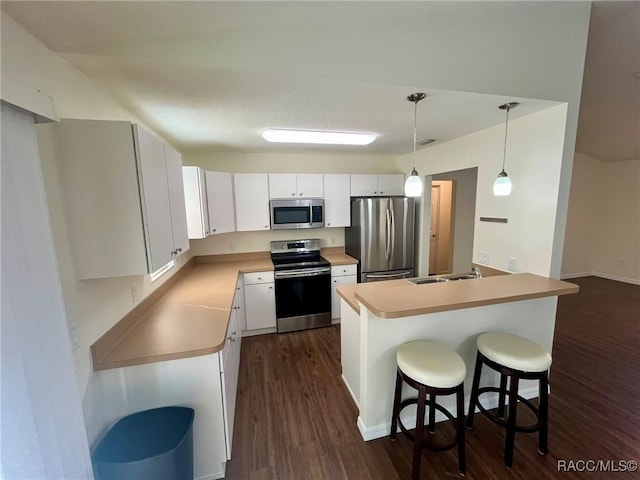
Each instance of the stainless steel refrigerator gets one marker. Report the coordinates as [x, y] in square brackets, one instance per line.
[381, 237]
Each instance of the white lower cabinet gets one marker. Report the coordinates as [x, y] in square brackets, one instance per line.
[340, 275]
[229, 373]
[238, 304]
[259, 300]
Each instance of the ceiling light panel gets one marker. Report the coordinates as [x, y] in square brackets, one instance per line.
[315, 136]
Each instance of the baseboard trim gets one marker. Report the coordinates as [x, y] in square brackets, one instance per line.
[488, 401]
[633, 281]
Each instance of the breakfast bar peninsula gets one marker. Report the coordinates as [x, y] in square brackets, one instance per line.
[376, 318]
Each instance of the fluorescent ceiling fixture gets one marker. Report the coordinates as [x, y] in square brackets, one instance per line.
[315, 136]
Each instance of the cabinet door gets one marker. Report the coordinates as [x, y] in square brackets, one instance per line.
[335, 298]
[238, 305]
[176, 200]
[252, 201]
[364, 185]
[155, 198]
[260, 305]
[195, 196]
[337, 200]
[229, 380]
[282, 185]
[310, 185]
[390, 184]
[220, 202]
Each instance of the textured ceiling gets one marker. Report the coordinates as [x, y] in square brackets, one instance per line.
[213, 75]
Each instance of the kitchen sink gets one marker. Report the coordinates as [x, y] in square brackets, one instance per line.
[423, 280]
[446, 278]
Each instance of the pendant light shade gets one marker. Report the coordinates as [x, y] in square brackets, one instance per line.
[413, 184]
[502, 185]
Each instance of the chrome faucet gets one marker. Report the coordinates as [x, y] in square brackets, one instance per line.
[476, 271]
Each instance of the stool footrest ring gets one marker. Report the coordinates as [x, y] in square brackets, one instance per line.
[502, 422]
[436, 447]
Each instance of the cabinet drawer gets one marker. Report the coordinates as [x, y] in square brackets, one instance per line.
[258, 277]
[339, 270]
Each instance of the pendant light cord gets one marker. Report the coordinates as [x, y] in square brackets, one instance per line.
[415, 121]
[506, 126]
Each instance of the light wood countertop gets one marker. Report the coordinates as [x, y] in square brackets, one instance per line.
[400, 298]
[188, 319]
[339, 259]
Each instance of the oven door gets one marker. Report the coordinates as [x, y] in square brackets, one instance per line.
[303, 298]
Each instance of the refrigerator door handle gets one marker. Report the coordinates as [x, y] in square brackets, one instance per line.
[393, 232]
[387, 244]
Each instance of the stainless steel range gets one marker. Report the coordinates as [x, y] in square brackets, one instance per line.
[303, 285]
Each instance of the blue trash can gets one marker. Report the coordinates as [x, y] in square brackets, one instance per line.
[152, 444]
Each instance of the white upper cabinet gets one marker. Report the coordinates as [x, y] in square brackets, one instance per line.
[289, 185]
[366, 185]
[115, 186]
[195, 196]
[337, 200]
[391, 184]
[220, 202]
[176, 199]
[252, 201]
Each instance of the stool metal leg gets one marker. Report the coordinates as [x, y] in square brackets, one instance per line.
[462, 461]
[501, 395]
[474, 391]
[419, 433]
[432, 413]
[543, 413]
[511, 421]
[396, 406]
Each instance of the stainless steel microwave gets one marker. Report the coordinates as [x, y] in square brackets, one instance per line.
[294, 213]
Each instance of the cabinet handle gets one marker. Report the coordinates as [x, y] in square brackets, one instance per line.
[293, 194]
[328, 224]
[375, 193]
[213, 230]
[381, 192]
[266, 226]
[238, 288]
[231, 339]
[270, 288]
[300, 194]
[259, 278]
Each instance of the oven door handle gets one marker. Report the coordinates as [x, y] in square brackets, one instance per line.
[309, 272]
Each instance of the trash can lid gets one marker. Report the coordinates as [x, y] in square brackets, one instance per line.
[145, 434]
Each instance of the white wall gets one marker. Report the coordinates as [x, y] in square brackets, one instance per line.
[93, 306]
[535, 150]
[603, 223]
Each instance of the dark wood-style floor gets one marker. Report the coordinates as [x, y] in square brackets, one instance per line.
[296, 420]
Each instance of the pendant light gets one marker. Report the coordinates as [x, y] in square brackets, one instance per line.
[502, 185]
[413, 185]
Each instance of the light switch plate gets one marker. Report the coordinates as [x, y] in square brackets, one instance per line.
[511, 264]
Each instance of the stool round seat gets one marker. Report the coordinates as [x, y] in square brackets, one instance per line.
[431, 363]
[514, 351]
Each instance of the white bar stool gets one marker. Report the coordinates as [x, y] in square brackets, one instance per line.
[431, 368]
[516, 358]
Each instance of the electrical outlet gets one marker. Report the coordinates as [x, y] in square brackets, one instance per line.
[484, 258]
[511, 264]
[232, 247]
[134, 293]
[333, 240]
